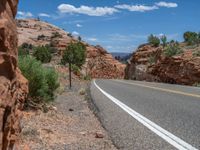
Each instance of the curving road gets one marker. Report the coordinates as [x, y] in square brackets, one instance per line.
[142, 115]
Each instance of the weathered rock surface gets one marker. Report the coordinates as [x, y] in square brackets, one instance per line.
[99, 64]
[148, 63]
[13, 86]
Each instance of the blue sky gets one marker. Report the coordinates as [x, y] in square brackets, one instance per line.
[117, 25]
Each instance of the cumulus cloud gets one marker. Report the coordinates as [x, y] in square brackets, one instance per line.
[43, 15]
[86, 10]
[166, 4]
[78, 25]
[139, 8]
[75, 33]
[22, 14]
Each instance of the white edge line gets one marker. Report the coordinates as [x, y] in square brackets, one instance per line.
[164, 134]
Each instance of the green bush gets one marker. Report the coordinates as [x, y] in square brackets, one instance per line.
[56, 35]
[42, 53]
[22, 51]
[75, 69]
[75, 53]
[154, 40]
[172, 49]
[42, 81]
[191, 38]
[164, 40]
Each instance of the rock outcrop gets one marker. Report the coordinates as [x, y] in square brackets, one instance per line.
[13, 86]
[99, 63]
[148, 63]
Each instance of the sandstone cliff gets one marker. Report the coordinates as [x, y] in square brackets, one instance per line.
[99, 63]
[13, 86]
[148, 63]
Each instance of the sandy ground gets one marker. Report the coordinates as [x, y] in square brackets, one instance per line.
[70, 125]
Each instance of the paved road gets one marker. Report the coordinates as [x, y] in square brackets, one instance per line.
[143, 115]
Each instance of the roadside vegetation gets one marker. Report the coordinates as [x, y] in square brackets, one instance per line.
[172, 49]
[43, 81]
[75, 56]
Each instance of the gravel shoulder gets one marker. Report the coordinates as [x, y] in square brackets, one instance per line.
[69, 125]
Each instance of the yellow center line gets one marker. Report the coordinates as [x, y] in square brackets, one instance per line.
[162, 89]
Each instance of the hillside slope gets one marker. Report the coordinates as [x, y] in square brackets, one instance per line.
[149, 63]
[99, 63]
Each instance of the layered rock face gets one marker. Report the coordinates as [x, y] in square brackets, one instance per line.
[148, 63]
[13, 86]
[99, 63]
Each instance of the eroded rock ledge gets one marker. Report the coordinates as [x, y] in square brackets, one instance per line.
[13, 86]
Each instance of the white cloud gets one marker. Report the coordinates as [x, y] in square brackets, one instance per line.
[166, 4]
[79, 25]
[75, 33]
[43, 15]
[86, 10]
[139, 8]
[92, 39]
[22, 14]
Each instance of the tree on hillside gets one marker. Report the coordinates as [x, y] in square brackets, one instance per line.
[75, 54]
[154, 40]
[191, 38]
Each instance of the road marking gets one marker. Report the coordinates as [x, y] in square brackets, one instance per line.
[162, 89]
[167, 136]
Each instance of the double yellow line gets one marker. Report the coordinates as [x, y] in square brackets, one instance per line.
[161, 89]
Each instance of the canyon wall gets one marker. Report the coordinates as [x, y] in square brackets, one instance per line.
[13, 86]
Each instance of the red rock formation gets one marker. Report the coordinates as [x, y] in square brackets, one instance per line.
[13, 86]
[101, 64]
[148, 63]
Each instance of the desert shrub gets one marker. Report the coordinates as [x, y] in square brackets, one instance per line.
[172, 49]
[87, 77]
[196, 54]
[152, 59]
[26, 46]
[79, 39]
[41, 37]
[51, 48]
[22, 51]
[52, 81]
[75, 53]
[164, 40]
[154, 40]
[69, 34]
[56, 35]
[75, 69]
[191, 38]
[42, 54]
[42, 81]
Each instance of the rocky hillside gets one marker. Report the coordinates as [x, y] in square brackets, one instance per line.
[151, 64]
[99, 63]
[13, 86]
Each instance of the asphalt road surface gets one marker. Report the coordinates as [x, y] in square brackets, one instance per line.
[142, 115]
